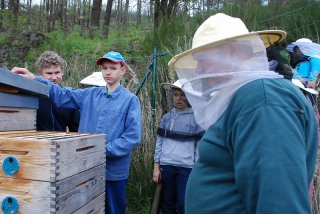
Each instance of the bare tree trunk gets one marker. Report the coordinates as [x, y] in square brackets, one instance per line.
[171, 9]
[150, 16]
[15, 12]
[65, 23]
[163, 11]
[55, 14]
[125, 16]
[75, 18]
[61, 5]
[203, 8]
[29, 2]
[47, 6]
[10, 4]
[95, 16]
[79, 8]
[119, 13]
[39, 23]
[139, 12]
[50, 15]
[95, 13]
[83, 19]
[108, 17]
[3, 6]
[209, 6]
[157, 14]
[88, 12]
[47, 15]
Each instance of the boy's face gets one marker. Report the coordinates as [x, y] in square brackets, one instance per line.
[54, 74]
[112, 72]
[179, 99]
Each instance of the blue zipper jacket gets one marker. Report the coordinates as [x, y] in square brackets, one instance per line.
[117, 115]
[52, 118]
[309, 69]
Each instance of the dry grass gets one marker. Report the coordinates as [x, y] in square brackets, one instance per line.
[315, 204]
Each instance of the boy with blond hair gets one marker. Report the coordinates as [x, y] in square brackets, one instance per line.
[50, 117]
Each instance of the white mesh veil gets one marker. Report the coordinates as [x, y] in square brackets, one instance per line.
[210, 77]
[307, 48]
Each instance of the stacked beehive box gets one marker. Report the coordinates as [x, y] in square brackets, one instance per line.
[45, 172]
[19, 101]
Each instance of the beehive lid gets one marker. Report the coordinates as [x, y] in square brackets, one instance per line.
[18, 84]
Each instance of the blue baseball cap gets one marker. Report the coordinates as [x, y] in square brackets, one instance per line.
[112, 56]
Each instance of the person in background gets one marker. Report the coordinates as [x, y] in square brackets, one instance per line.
[176, 151]
[307, 65]
[305, 59]
[51, 66]
[110, 110]
[277, 62]
[260, 144]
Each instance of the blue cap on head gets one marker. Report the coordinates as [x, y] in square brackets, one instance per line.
[112, 56]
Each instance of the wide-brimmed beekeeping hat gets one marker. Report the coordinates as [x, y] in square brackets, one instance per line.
[169, 86]
[220, 28]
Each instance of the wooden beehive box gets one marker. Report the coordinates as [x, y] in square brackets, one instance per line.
[52, 172]
[19, 101]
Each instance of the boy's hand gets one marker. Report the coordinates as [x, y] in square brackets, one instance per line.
[156, 173]
[23, 72]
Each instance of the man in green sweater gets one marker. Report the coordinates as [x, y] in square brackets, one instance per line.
[259, 151]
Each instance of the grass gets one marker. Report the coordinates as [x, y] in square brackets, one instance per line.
[315, 203]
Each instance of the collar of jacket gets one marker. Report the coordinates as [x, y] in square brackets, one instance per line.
[115, 93]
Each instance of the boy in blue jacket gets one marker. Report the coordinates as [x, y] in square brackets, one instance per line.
[111, 110]
[176, 151]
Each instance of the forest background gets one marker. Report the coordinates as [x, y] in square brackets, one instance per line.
[81, 31]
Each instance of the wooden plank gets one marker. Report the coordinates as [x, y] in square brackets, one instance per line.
[156, 199]
[76, 191]
[8, 88]
[12, 134]
[18, 101]
[79, 154]
[61, 197]
[32, 196]
[15, 132]
[51, 156]
[34, 158]
[13, 119]
[96, 206]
